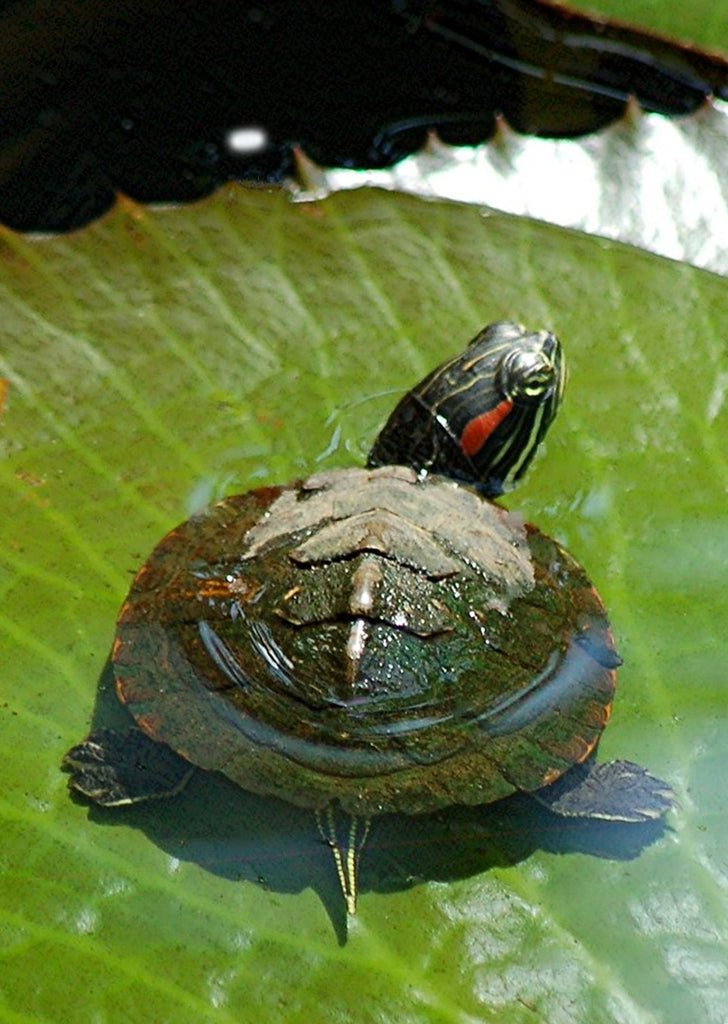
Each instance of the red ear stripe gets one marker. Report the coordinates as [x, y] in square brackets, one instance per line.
[478, 430]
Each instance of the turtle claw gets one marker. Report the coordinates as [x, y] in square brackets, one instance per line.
[117, 768]
[616, 791]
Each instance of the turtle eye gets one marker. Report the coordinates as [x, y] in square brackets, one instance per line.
[528, 373]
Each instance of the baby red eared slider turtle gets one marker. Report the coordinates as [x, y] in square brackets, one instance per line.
[381, 639]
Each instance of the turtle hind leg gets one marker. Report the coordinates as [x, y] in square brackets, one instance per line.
[116, 768]
[616, 791]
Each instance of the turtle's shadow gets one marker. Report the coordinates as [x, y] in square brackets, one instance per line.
[240, 836]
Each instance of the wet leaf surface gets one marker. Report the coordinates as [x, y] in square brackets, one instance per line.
[164, 358]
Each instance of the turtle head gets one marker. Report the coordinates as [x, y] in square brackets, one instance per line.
[479, 417]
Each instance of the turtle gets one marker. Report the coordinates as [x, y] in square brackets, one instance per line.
[379, 639]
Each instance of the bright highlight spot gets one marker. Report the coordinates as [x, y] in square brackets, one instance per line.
[247, 140]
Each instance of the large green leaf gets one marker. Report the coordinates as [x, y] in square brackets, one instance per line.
[163, 358]
[702, 23]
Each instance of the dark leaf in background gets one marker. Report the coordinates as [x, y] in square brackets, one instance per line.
[140, 97]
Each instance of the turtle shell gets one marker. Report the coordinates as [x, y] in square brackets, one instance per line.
[367, 636]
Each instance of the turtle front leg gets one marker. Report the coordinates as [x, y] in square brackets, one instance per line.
[616, 791]
[346, 854]
[116, 768]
